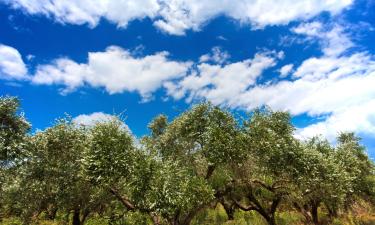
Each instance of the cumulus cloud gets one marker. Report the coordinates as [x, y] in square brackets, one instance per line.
[285, 70]
[333, 90]
[217, 55]
[358, 117]
[222, 84]
[115, 69]
[12, 67]
[90, 120]
[332, 37]
[347, 94]
[177, 16]
[338, 85]
[88, 12]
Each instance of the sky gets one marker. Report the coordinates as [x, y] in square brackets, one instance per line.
[94, 58]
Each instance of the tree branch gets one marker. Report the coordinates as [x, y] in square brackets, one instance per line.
[122, 199]
[210, 171]
[274, 204]
[244, 208]
[270, 188]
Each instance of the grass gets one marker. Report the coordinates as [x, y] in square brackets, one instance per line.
[360, 215]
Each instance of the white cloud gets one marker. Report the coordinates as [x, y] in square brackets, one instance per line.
[338, 85]
[222, 38]
[114, 69]
[334, 67]
[30, 57]
[285, 70]
[222, 84]
[177, 16]
[12, 66]
[92, 119]
[180, 15]
[327, 94]
[333, 38]
[359, 118]
[62, 71]
[122, 12]
[309, 29]
[217, 55]
[89, 12]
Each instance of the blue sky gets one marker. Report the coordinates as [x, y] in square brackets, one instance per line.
[89, 59]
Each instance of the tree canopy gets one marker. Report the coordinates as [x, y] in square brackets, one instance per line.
[202, 158]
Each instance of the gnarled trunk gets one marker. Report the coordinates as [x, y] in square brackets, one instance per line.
[271, 220]
[267, 212]
[229, 207]
[76, 220]
[304, 210]
[51, 212]
[314, 213]
[268, 216]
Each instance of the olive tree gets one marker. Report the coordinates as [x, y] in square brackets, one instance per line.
[13, 129]
[203, 139]
[139, 179]
[52, 176]
[265, 177]
[321, 179]
[352, 155]
[13, 139]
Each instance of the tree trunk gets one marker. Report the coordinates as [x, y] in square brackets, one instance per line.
[155, 219]
[51, 213]
[229, 209]
[210, 171]
[76, 220]
[271, 220]
[314, 213]
[268, 215]
[332, 212]
[186, 219]
[230, 214]
[305, 212]
[84, 216]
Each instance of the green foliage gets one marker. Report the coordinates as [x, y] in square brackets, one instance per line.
[150, 184]
[203, 141]
[270, 141]
[171, 188]
[13, 127]
[111, 154]
[320, 179]
[202, 167]
[351, 155]
[264, 179]
[51, 177]
[204, 133]
[13, 141]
